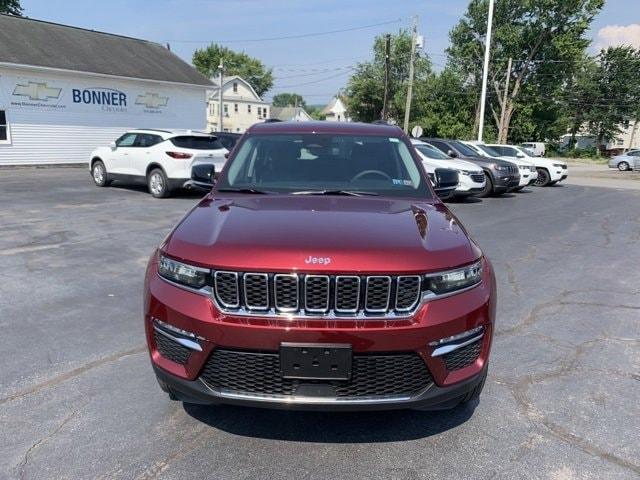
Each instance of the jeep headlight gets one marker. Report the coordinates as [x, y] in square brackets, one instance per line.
[182, 273]
[464, 172]
[501, 168]
[557, 165]
[450, 281]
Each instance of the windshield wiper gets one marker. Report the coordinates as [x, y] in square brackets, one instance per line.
[243, 190]
[350, 193]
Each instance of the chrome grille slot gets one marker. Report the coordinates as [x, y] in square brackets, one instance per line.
[285, 292]
[316, 293]
[256, 291]
[377, 296]
[226, 289]
[347, 297]
[407, 293]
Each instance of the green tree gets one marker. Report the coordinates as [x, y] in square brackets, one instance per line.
[617, 99]
[544, 38]
[365, 90]
[288, 100]
[206, 61]
[12, 7]
[445, 106]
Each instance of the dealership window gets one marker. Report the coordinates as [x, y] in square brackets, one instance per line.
[226, 108]
[264, 112]
[235, 107]
[248, 108]
[4, 128]
[235, 87]
[259, 112]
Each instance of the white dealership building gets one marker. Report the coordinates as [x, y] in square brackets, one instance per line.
[66, 90]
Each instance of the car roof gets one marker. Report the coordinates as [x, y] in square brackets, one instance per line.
[341, 128]
[169, 133]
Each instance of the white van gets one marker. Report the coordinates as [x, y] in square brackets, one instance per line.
[537, 148]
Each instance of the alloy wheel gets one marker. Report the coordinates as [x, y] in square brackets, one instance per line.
[156, 184]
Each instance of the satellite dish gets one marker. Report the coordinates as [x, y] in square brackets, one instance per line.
[416, 132]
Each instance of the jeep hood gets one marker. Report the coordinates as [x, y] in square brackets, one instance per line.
[349, 234]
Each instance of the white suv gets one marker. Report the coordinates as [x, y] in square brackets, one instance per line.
[160, 158]
[471, 178]
[550, 171]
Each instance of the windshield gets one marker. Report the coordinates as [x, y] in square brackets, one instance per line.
[431, 152]
[325, 163]
[197, 142]
[489, 151]
[464, 149]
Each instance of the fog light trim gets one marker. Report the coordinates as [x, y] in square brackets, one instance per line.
[454, 342]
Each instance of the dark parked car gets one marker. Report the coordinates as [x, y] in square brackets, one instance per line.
[321, 272]
[227, 139]
[501, 175]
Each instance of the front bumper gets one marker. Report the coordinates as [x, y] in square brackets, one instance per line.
[432, 398]
[503, 183]
[217, 332]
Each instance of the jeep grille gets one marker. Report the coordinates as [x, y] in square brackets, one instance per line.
[246, 293]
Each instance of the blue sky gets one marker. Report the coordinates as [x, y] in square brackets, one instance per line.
[303, 65]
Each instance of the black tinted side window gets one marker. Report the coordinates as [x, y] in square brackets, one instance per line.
[147, 140]
[440, 146]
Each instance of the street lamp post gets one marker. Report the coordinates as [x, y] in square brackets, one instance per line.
[485, 72]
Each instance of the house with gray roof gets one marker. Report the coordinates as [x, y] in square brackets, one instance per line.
[65, 90]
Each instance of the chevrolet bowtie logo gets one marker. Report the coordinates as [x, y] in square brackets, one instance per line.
[152, 100]
[36, 91]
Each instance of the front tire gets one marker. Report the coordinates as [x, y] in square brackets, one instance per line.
[158, 184]
[623, 166]
[99, 174]
[543, 177]
[488, 187]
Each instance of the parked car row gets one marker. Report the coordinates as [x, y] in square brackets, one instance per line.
[490, 169]
[164, 160]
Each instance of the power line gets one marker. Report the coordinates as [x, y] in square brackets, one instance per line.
[317, 72]
[280, 87]
[289, 37]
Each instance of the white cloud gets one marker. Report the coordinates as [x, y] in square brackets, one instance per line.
[614, 35]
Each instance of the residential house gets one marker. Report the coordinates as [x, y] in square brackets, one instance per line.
[628, 138]
[242, 106]
[335, 111]
[290, 114]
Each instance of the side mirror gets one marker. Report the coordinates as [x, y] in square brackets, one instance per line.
[113, 145]
[226, 155]
[520, 155]
[451, 153]
[203, 176]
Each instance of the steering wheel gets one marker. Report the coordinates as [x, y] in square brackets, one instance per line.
[370, 172]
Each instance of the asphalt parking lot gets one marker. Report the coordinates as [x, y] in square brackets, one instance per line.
[78, 398]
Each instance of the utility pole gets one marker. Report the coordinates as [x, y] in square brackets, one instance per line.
[633, 133]
[502, 137]
[485, 72]
[220, 104]
[387, 61]
[414, 38]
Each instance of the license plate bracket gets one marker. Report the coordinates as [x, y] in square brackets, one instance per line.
[315, 361]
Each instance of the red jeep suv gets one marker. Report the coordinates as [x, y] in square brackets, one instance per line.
[321, 272]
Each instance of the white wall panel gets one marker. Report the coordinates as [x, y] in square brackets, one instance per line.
[49, 125]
